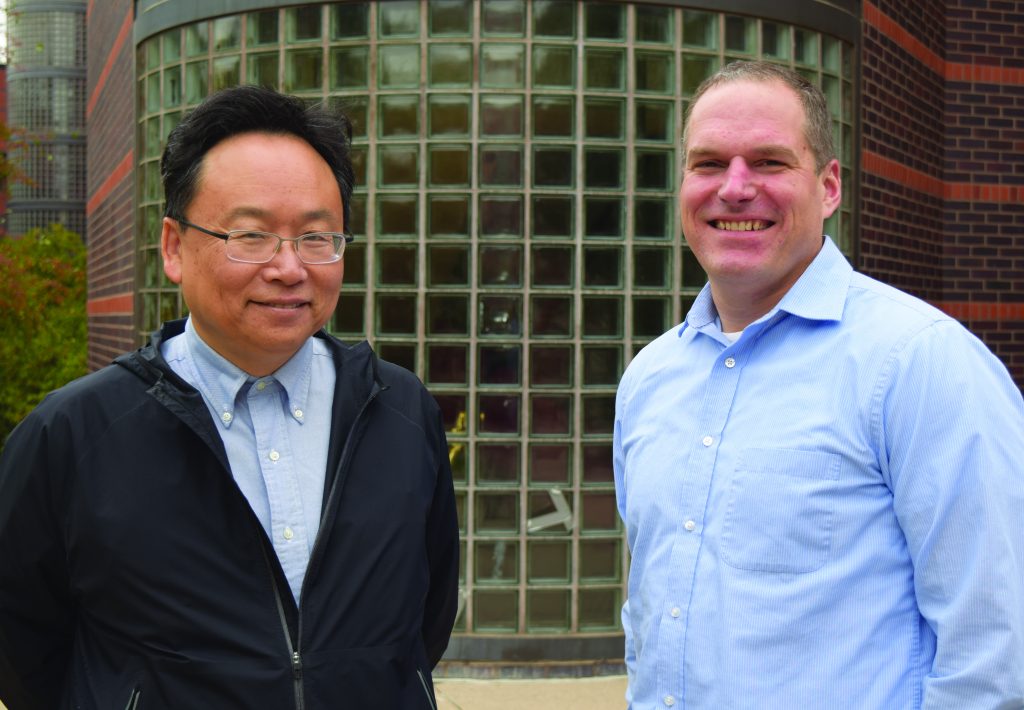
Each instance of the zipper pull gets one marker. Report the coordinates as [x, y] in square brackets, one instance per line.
[297, 665]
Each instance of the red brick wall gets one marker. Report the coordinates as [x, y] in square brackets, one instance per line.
[943, 160]
[110, 218]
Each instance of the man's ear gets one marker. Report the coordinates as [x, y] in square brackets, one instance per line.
[170, 249]
[833, 195]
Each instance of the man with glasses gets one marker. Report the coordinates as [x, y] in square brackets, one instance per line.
[244, 513]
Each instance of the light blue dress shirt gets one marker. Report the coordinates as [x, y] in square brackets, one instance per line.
[827, 513]
[276, 430]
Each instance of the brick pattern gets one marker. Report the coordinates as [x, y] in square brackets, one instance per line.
[110, 181]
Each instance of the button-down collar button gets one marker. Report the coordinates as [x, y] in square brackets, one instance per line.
[730, 362]
[261, 385]
[273, 455]
[707, 441]
[669, 700]
[675, 612]
[226, 417]
[298, 413]
[690, 526]
[288, 534]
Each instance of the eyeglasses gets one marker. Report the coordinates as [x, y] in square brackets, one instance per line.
[252, 247]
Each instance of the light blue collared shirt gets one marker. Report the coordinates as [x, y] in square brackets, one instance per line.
[276, 430]
[827, 513]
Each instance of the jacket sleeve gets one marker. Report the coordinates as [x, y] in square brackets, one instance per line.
[36, 610]
[442, 540]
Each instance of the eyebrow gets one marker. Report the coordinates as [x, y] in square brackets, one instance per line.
[259, 213]
[759, 152]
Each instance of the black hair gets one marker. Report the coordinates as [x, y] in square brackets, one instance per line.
[252, 109]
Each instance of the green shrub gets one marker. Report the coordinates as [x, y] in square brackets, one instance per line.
[43, 335]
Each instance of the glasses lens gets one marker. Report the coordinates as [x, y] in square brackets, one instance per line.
[320, 247]
[253, 247]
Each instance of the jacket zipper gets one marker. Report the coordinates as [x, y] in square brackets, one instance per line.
[293, 654]
[426, 690]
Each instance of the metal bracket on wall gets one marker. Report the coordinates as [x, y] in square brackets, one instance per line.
[561, 515]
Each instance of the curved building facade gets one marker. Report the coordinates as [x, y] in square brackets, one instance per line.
[46, 79]
[517, 240]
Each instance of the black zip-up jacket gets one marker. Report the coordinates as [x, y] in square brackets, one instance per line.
[134, 574]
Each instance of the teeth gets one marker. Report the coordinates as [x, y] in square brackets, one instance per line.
[750, 225]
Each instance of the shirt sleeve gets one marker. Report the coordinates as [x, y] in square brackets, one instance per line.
[950, 426]
[619, 465]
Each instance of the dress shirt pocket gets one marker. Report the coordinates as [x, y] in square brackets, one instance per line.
[780, 510]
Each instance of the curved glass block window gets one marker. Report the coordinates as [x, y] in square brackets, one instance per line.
[517, 235]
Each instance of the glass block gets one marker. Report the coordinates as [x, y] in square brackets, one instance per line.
[502, 65]
[261, 69]
[501, 216]
[500, 315]
[350, 20]
[693, 272]
[550, 464]
[261, 28]
[497, 512]
[355, 264]
[740, 34]
[554, 18]
[654, 72]
[654, 121]
[597, 463]
[599, 609]
[541, 503]
[450, 17]
[396, 313]
[457, 461]
[449, 216]
[396, 215]
[500, 364]
[497, 463]
[602, 364]
[448, 115]
[447, 364]
[554, 66]
[196, 82]
[448, 266]
[197, 39]
[348, 315]
[399, 18]
[805, 46]
[774, 40]
[460, 508]
[151, 268]
[398, 66]
[171, 43]
[700, 29]
[302, 24]
[603, 216]
[598, 414]
[651, 316]
[495, 611]
[357, 213]
[357, 109]
[548, 561]
[553, 167]
[150, 311]
[654, 170]
[553, 116]
[552, 216]
[303, 70]
[599, 513]
[651, 267]
[449, 165]
[604, 20]
[602, 316]
[604, 118]
[151, 145]
[401, 354]
[551, 365]
[496, 561]
[168, 307]
[501, 266]
[603, 168]
[502, 17]
[501, 115]
[171, 121]
[227, 33]
[654, 24]
[547, 610]
[696, 69]
[450, 65]
[398, 165]
[551, 266]
[602, 266]
[550, 414]
[651, 219]
[685, 304]
[396, 265]
[600, 560]
[226, 72]
[499, 414]
[830, 86]
[350, 68]
[447, 314]
[551, 316]
[453, 411]
[501, 165]
[153, 93]
[605, 69]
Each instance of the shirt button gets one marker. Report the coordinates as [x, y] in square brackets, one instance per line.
[730, 362]
[690, 526]
[675, 612]
[226, 417]
[273, 455]
[288, 534]
[669, 700]
[298, 413]
[261, 385]
[707, 441]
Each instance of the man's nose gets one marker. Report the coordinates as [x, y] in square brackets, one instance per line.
[737, 182]
[286, 262]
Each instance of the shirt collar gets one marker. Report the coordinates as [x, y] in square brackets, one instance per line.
[819, 293]
[222, 380]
